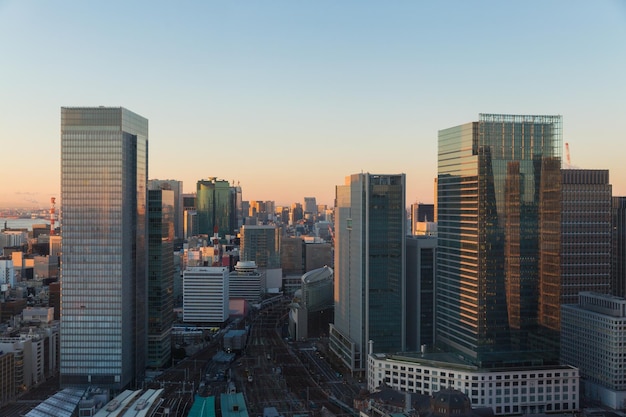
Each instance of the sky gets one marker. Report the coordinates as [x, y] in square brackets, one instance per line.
[287, 98]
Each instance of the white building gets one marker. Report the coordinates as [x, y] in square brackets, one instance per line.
[7, 275]
[247, 282]
[592, 338]
[205, 294]
[506, 391]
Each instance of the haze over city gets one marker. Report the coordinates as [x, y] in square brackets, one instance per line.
[288, 98]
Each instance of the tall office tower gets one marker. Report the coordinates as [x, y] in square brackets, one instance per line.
[261, 244]
[237, 201]
[310, 206]
[498, 253]
[421, 252]
[104, 175]
[161, 215]
[177, 187]
[297, 213]
[370, 233]
[585, 233]
[213, 204]
[618, 266]
[189, 201]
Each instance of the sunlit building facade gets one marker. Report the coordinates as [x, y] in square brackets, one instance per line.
[370, 233]
[498, 254]
[104, 162]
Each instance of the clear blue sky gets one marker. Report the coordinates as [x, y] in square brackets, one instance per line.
[289, 97]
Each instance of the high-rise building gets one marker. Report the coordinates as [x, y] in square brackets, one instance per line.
[161, 215]
[370, 233]
[498, 253]
[214, 207]
[179, 208]
[618, 265]
[421, 252]
[104, 174]
[585, 233]
[261, 244]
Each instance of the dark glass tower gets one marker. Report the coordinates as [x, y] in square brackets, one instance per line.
[618, 266]
[498, 259]
[104, 166]
[215, 207]
[161, 232]
[370, 233]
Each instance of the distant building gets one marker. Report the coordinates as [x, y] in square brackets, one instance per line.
[421, 213]
[214, 207]
[178, 209]
[592, 339]
[205, 295]
[313, 307]
[246, 282]
[8, 390]
[261, 244]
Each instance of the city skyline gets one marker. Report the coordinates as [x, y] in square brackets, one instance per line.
[285, 98]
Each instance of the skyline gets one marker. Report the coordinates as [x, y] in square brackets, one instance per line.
[295, 97]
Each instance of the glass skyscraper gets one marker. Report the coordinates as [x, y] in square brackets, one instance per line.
[215, 207]
[104, 163]
[498, 259]
[370, 233]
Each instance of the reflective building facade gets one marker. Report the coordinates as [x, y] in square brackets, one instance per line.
[498, 254]
[215, 207]
[370, 233]
[104, 163]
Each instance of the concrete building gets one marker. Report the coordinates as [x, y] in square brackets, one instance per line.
[104, 174]
[205, 295]
[592, 339]
[506, 391]
[247, 282]
[370, 233]
[313, 308]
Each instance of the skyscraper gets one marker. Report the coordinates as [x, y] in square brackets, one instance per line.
[498, 259]
[179, 208]
[618, 264]
[585, 233]
[370, 232]
[161, 226]
[214, 207]
[104, 162]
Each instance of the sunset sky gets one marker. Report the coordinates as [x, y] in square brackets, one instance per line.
[289, 97]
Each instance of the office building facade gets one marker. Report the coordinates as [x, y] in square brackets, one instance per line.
[370, 232]
[618, 249]
[421, 254]
[498, 252]
[585, 233]
[214, 205]
[205, 295]
[104, 163]
[177, 188]
[161, 236]
[592, 335]
[261, 244]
